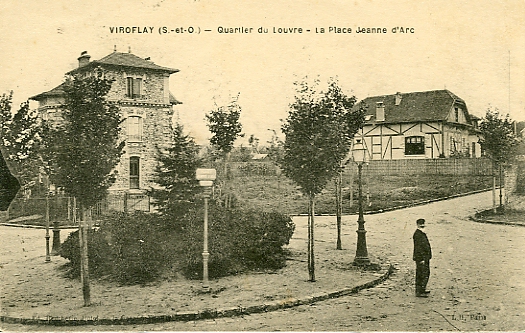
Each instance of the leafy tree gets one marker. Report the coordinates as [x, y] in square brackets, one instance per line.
[20, 136]
[317, 140]
[352, 120]
[225, 127]
[175, 173]
[498, 141]
[83, 148]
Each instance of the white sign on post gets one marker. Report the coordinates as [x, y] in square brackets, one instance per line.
[206, 175]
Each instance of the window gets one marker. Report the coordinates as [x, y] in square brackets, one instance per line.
[415, 145]
[456, 114]
[134, 87]
[134, 128]
[134, 164]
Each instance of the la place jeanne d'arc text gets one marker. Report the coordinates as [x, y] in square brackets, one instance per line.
[260, 30]
[319, 30]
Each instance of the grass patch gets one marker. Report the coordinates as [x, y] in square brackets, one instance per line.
[382, 192]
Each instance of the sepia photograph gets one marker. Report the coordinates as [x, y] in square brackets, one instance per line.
[196, 165]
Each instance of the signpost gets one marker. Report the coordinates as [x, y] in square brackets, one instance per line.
[205, 178]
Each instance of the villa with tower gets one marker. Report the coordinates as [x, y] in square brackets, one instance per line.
[141, 90]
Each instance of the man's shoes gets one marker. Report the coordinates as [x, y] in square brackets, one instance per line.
[426, 292]
[422, 294]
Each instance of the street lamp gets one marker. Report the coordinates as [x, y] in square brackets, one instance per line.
[360, 156]
[205, 178]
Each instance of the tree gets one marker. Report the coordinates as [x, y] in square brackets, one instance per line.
[175, 173]
[20, 136]
[352, 120]
[316, 142]
[499, 143]
[83, 148]
[225, 127]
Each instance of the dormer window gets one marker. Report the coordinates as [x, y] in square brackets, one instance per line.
[134, 87]
[456, 114]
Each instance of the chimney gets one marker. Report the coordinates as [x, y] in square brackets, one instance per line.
[380, 111]
[83, 60]
[398, 98]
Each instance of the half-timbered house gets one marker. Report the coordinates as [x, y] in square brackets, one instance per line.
[429, 124]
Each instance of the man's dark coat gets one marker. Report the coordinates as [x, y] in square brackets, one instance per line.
[422, 250]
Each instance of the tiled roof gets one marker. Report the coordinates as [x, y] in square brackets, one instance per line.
[415, 106]
[57, 91]
[125, 60]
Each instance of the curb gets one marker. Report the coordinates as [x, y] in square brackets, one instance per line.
[418, 203]
[198, 315]
[30, 226]
[472, 218]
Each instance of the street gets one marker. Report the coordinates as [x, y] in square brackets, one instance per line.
[476, 279]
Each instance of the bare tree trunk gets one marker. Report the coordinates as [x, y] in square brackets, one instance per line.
[339, 206]
[500, 188]
[84, 259]
[311, 266]
[493, 188]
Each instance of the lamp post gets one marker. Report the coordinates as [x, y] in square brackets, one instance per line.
[205, 178]
[360, 156]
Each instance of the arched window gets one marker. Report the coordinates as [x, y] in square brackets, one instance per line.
[134, 128]
[134, 171]
[415, 145]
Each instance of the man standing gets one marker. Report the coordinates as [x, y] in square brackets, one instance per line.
[422, 256]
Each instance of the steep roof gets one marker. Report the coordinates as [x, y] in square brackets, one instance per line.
[125, 60]
[57, 91]
[415, 106]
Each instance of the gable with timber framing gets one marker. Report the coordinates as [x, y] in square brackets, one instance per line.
[431, 124]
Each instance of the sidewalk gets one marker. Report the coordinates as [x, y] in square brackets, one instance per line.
[36, 292]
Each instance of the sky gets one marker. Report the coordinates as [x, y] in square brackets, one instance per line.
[474, 48]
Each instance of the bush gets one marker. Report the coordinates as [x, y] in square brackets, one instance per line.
[138, 242]
[100, 253]
[238, 240]
[139, 248]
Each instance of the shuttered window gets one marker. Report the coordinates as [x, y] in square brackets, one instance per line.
[134, 87]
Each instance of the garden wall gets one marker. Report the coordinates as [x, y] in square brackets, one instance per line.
[441, 166]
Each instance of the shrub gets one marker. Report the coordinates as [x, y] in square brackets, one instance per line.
[100, 253]
[238, 240]
[138, 242]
